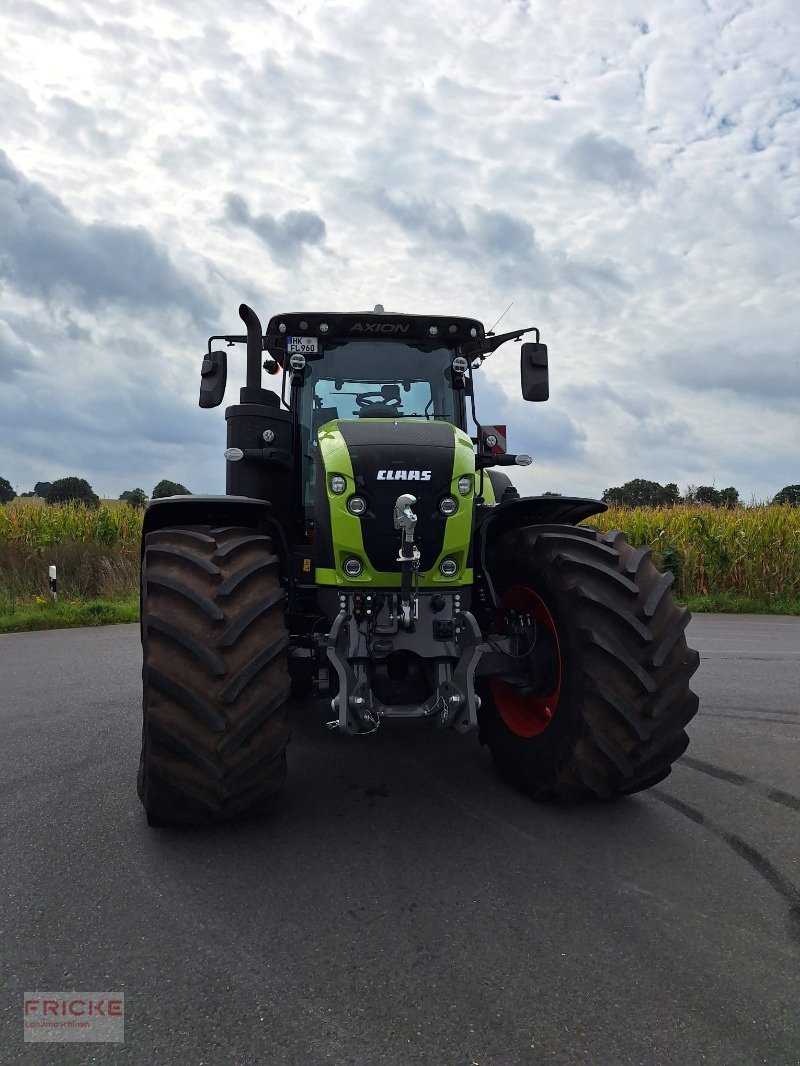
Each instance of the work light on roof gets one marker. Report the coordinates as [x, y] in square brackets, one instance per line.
[433, 330]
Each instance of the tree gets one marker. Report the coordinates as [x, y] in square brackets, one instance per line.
[729, 497]
[169, 488]
[713, 497]
[75, 489]
[642, 493]
[135, 497]
[789, 494]
[41, 488]
[7, 493]
[707, 494]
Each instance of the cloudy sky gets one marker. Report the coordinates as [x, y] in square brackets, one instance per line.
[626, 173]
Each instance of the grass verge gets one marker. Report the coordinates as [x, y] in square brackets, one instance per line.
[66, 614]
[732, 603]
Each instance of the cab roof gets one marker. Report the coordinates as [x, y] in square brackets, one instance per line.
[366, 325]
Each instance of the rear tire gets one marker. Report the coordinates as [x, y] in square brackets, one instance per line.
[215, 679]
[622, 700]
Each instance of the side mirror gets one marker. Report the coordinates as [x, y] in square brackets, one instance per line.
[533, 368]
[213, 378]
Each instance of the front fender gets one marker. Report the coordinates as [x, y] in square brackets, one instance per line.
[205, 511]
[493, 522]
[535, 511]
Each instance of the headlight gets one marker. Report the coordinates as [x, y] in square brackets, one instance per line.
[448, 505]
[352, 566]
[465, 485]
[356, 505]
[233, 455]
[337, 484]
[448, 567]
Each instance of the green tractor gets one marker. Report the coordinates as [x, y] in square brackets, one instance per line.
[370, 552]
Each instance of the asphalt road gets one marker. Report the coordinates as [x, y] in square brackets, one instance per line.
[401, 905]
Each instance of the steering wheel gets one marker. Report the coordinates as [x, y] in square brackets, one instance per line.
[365, 400]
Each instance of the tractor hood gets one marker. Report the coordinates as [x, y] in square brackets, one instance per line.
[379, 460]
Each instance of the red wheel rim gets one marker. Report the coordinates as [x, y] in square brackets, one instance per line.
[524, 714]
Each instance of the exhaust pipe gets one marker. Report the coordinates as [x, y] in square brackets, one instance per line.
[255, 346]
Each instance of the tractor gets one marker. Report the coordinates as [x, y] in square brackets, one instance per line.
[371, 553]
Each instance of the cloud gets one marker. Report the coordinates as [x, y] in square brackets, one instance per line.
[496, 241]
[633, 192]
[504, 243]
[14, 354]
[45, 250]
[284, 236]
[770, 377]
[419, 216]
[596, 158]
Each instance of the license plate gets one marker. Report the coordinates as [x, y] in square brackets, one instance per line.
[302, 345]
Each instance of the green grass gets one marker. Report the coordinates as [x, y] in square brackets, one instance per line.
[732, 603]
[66, 614]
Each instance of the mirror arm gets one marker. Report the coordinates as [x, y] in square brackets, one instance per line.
[488, 344]
[228, 338]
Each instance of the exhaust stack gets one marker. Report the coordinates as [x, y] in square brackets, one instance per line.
[255, 345]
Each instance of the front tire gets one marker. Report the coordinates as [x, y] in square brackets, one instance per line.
[614, 700]
[215, 680]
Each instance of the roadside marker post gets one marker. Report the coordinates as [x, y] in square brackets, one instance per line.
[51, 570]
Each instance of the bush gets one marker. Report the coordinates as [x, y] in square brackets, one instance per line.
[169, 488]
[69, 489]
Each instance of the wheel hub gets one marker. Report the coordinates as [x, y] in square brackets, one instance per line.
[526, 713]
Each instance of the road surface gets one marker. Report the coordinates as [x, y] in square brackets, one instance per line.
[401, 905]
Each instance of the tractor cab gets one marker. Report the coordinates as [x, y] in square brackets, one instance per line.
[346, 368]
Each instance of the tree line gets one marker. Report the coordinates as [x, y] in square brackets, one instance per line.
[636, 493]
[643, 493]
[78, 489]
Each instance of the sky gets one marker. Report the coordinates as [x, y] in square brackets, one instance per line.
[626, 175]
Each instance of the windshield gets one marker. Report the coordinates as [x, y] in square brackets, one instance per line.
[373, 379]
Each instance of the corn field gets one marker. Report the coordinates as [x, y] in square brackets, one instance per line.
[96, 550]
[752, 552]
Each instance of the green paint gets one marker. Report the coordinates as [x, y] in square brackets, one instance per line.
[346, 528]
